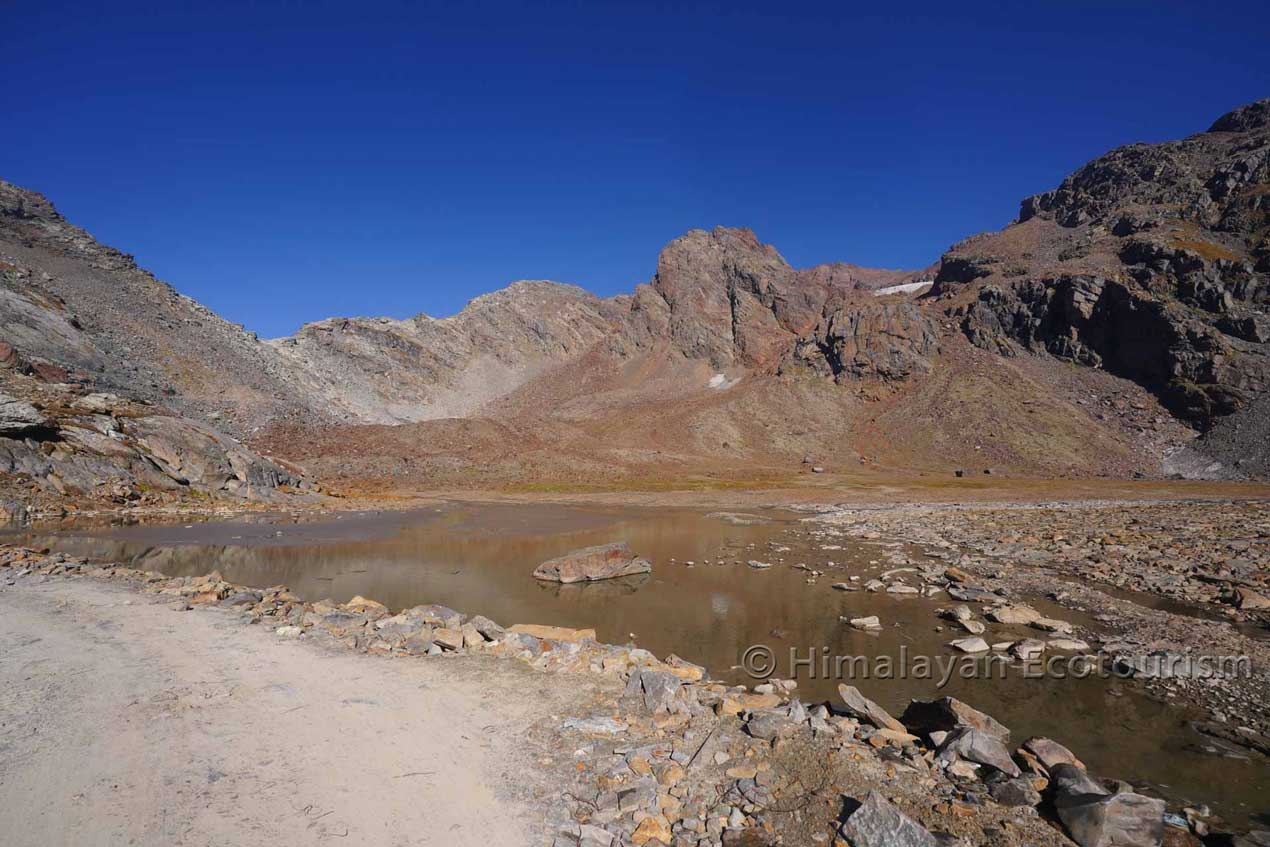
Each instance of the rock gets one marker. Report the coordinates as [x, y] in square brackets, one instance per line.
[1095, 817]
[448, 639]
[660, 688]
[368, 607]
[1074, 645]
[878, 823]
[1018, 791]
[17, 417]
[972, 627]
[1013, 615]
[735, 704]
[970, 644]
[487, 628]
[653, 828]
[435, 615]
[859, 706]
[1249, 600]
[1050, 753]
[606, 561]
[925, 717]
[971, 595]
[288, 632]
[766, 725]
[976, 746]
[750, 836]
[1027, 649]
[552, 633]
[595, 725]
[1051, 625]
[759, 566]
[871, 622]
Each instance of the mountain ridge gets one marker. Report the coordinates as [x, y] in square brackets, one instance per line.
[1148, 268]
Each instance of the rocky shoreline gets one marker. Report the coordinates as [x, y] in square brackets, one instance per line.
[679, 759]
[1171, 582]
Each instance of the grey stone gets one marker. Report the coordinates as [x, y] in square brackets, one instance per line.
[976, 746]
[606, 561]
[1095, 817]
[878, 823]
[859, 706]
[660, 688]
[1015, 792]
[17, 417]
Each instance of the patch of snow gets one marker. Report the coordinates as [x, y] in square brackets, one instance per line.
[902, 289]
[720, 382]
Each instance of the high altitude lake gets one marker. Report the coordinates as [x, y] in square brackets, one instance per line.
[701, 601]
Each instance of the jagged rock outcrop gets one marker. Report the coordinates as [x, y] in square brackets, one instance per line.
[890, 341]
[103, 447]
[725, 297]
[1151, 262]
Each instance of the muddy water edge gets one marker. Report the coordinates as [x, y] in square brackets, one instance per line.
[704, 601]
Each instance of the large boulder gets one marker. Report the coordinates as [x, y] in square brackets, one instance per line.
[1097, 817]
[606, 561]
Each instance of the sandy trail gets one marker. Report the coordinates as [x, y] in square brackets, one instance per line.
[123, 721]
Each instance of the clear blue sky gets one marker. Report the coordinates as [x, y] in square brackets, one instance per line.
[284, 162]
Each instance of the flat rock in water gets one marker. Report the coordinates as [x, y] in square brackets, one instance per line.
[606, 561]
[970, 644]
[878, 823]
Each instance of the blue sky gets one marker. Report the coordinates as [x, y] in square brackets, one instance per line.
[285, 162]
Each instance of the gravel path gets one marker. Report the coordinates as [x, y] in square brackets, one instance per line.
[126, 722]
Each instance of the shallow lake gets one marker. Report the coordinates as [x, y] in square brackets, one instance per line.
[703, 602]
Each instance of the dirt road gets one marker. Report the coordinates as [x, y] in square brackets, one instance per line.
[124, 721]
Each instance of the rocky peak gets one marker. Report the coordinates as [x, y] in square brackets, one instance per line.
[18, 203]
[1244, 119]
[1201, 178]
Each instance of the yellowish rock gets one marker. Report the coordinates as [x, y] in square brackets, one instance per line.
[553, 633]
[652, 829]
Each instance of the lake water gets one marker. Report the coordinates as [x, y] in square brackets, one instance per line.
[478, 558]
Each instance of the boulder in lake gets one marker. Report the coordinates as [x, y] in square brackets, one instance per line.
[606, 561]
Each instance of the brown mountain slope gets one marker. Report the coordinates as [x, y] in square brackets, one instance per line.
[69, 301]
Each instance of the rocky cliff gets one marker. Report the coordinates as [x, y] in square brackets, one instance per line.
[1151, 262]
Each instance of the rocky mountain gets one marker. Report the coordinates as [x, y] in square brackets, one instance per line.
[1147, 269]
[124, 376]
[1151, 262]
